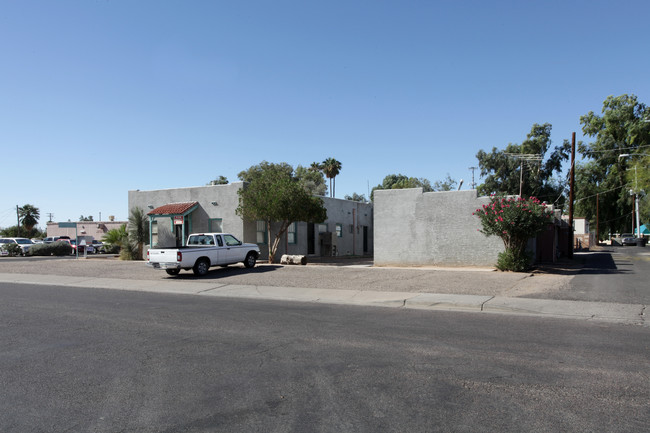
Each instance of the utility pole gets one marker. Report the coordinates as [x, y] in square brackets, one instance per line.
[50, 216]
[571, 185]
[473, 183]
[18, 220]
[597, 219]
[527, 157]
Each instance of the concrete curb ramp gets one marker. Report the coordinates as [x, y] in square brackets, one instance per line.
[594, 311]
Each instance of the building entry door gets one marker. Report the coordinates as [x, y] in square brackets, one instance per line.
[311, 242]
[365, 239]
[178, 231]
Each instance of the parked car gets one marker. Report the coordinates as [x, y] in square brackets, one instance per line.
[98, 246]
[2, 251]
[628, 239]
[50, 239]
[23, 243]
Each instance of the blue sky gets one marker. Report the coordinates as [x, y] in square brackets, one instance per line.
[100, 97]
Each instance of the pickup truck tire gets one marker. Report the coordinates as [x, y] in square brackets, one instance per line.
[250, 260]
[201, 267]
[172, 271]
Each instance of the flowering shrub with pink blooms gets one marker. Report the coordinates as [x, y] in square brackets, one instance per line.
[514, 220]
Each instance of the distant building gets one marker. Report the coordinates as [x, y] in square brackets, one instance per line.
[96, 229]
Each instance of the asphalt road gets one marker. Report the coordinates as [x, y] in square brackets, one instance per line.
[610, 274]
[92, 360]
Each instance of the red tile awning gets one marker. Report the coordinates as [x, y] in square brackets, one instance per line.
[175, 208]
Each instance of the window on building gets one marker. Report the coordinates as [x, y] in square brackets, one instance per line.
[215, 225]
[154, 233]
[339, 230]
[292, 237]
[322, 228]
[261, 232]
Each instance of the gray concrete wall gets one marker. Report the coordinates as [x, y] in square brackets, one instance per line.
[352, 216]
[433, 228]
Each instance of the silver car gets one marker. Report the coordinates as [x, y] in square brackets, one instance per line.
[628, 239]
[23, 243]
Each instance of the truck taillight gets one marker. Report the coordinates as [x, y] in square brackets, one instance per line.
[147, 255]
[179, 256]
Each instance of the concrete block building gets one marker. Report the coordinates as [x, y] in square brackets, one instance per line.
[175, 213]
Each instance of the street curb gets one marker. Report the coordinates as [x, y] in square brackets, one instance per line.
[591, 311]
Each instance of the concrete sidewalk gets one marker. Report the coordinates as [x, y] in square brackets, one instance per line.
[592, 311]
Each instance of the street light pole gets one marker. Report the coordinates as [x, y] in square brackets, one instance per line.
[636, 193]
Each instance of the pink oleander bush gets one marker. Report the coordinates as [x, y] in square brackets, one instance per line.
[514, 220]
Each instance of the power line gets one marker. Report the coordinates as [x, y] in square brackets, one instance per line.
[603, 192]
[618, 149]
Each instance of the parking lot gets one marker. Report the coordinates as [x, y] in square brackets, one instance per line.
[358, 274]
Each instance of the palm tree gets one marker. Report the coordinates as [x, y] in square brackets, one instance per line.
[331, 167]
[28, 216]
[138, 229]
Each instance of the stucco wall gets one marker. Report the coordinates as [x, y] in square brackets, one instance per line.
[353, 216]
[226, 199]
[433, 228]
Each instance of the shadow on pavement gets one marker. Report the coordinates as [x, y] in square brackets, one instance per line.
[230, 271]
[594, 262]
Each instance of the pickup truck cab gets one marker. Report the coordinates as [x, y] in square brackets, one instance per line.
[203, 251]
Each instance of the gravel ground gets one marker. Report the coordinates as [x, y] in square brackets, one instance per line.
[349, 275]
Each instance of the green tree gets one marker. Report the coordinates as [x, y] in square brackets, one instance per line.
[331, 167]
[88, 218]
[28, 216]
[262, 169]
[312, 180]
[502, 169]
[357, 197]
[621, 128]
[514, 220]
[447, 184]
[274, 195]
[138, 230]
[16, 231]
[400, 181]
[221, 180]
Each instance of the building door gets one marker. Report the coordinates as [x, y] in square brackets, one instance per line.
[178, 232]
[365, 239]
[311, 242]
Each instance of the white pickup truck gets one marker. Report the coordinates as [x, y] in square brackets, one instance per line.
[203, 251]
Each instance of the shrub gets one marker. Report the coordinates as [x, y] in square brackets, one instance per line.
[514, 220]
[13, 249]
[111, 248]
[53, 249]
[509, 261]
